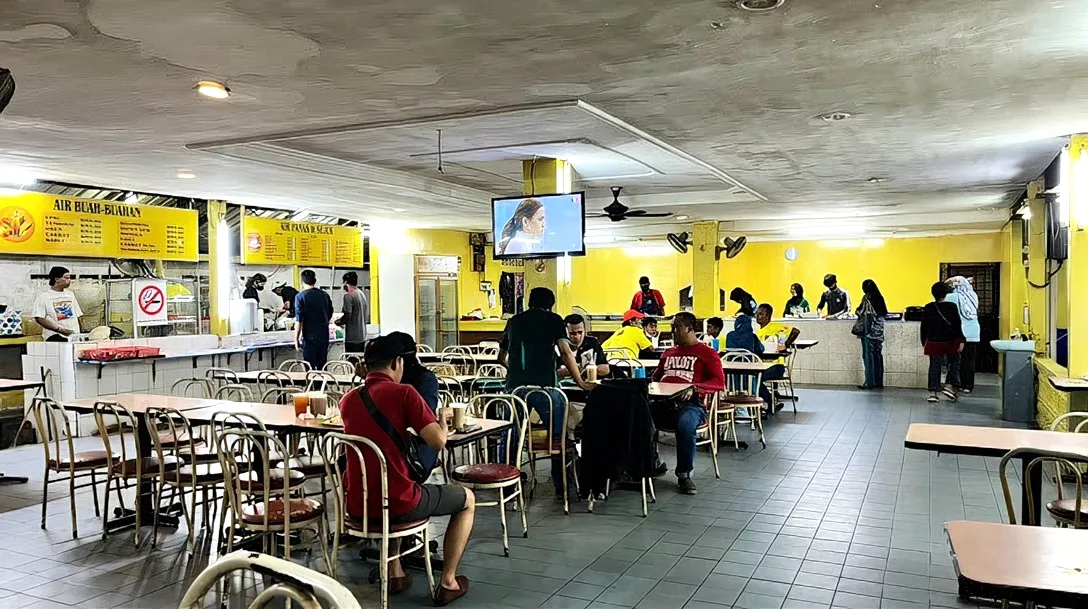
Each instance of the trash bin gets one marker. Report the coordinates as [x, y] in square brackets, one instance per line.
[1017, 379]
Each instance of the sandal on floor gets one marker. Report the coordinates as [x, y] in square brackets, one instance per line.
[950, 393]
[399, 585]
[446, 596]
[932, 398]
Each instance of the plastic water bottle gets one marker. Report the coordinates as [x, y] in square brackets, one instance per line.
[715, 343]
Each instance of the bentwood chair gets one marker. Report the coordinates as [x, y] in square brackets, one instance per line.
[192, 388]
[424, 348]
[268, 379]
[289, 582]
[339, 366]
[1069, 422]
[742, 392]
[786, 381]
[295, 365]
[463, 363]
[278, 395]
[131, 467]
[337, 450]
[260, 502]
[503, 474]
[235, 392]
[545, 444]
[490, 378]
[318, 380]
[54, 427]
[199, 474]
[1066, 512]
[217, 377]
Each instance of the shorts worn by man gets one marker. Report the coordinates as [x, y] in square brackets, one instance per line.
[690, 361]
[409, 501]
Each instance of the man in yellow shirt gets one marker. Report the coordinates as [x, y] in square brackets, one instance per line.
[629, 339]
[783, 334]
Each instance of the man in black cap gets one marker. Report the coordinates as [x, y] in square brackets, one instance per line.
[384, 406]
[254, 286]
[835, 299]
[56, 310]
[426, 383]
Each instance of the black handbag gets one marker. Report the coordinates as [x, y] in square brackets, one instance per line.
[409, 448]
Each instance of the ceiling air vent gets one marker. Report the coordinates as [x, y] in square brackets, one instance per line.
[760, 5]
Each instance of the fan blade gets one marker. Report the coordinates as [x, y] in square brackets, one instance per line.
[642, 213]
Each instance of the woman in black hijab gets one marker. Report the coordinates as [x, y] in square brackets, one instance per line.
[745, 300]
[797, 300]
[869, 327]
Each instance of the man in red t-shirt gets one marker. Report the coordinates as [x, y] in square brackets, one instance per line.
[688, 362]
[409, 501]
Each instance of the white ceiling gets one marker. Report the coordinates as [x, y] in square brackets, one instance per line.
[710, 111]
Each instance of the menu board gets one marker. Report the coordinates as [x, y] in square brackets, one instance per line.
[267, 241]
[51, 225]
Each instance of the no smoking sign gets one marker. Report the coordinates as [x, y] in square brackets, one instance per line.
[149, 301]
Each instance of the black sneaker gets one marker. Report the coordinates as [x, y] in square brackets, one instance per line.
[686, 486]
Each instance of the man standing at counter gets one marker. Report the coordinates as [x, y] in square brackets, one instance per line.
[836, 300]
[354, 314]
[647, 301]
[313, 310]
[56, 310]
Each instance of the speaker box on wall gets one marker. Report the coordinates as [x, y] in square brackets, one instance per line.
[7, 88]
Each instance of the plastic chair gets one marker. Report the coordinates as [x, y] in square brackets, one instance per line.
[505, 472]
[295, 365]
[336, 450]
[54, 428]
[289, 582]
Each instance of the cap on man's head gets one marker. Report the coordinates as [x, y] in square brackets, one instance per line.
[643, 279]
[406, 342]
[56, 273]
[381, 351]
[632, 314]
[830, 280]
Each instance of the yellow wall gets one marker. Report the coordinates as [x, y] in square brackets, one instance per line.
[903, 268]
[604, 280]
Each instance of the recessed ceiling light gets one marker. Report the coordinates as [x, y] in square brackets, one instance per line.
[186, 174]
[682, 217]
[215, 90]
[399, 209]
[876, 180]
[760, 5]
[717, 25]
[834, 117]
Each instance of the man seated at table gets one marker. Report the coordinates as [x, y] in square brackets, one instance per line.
[425, 382]
[587, 352]
[784, 335]
[714, 327]
[689, 361]
[649, 327]
[630, 339]
[409, 501]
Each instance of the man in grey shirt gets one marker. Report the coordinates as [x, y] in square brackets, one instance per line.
[356, 312]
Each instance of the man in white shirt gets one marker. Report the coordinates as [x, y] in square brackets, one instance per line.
[56, 310]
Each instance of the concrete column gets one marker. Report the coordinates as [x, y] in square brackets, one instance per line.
[548, 176]
[704, 270]
[219, 269]
[1077, 264]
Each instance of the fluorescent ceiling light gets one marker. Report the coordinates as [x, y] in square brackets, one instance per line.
[827, 230]
[300, 215]
[132, 198]
[682, 217]
[1025, 211]
[591, 239]
[15, 176]
[186, 174]
[215, 90]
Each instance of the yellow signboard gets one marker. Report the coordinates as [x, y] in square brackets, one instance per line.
[51, 225]
[267, 241]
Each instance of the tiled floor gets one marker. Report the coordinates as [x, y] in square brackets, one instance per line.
[834, 513]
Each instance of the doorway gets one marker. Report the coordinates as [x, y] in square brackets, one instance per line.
[986, 278]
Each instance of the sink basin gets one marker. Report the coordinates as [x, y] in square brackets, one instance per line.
[1013, 345]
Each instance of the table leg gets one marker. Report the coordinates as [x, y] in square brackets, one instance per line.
[1034, 481]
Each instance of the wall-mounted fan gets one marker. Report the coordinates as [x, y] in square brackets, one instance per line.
[729, 246]
[616, 211]
[679, 241]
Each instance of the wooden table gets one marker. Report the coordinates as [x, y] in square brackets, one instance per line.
[18, 385]
[1018, 563]
[995, 442]
[1068, 384]
[746, 367]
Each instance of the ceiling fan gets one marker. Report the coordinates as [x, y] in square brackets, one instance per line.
[617, 211]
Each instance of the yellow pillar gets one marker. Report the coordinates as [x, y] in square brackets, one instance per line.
[548, 176]
[704, 270]
[219, 269]
[1077, 264]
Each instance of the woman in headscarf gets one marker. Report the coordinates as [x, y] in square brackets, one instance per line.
[869, 327]
[797, 303]
[745, 300]
[963, 294]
